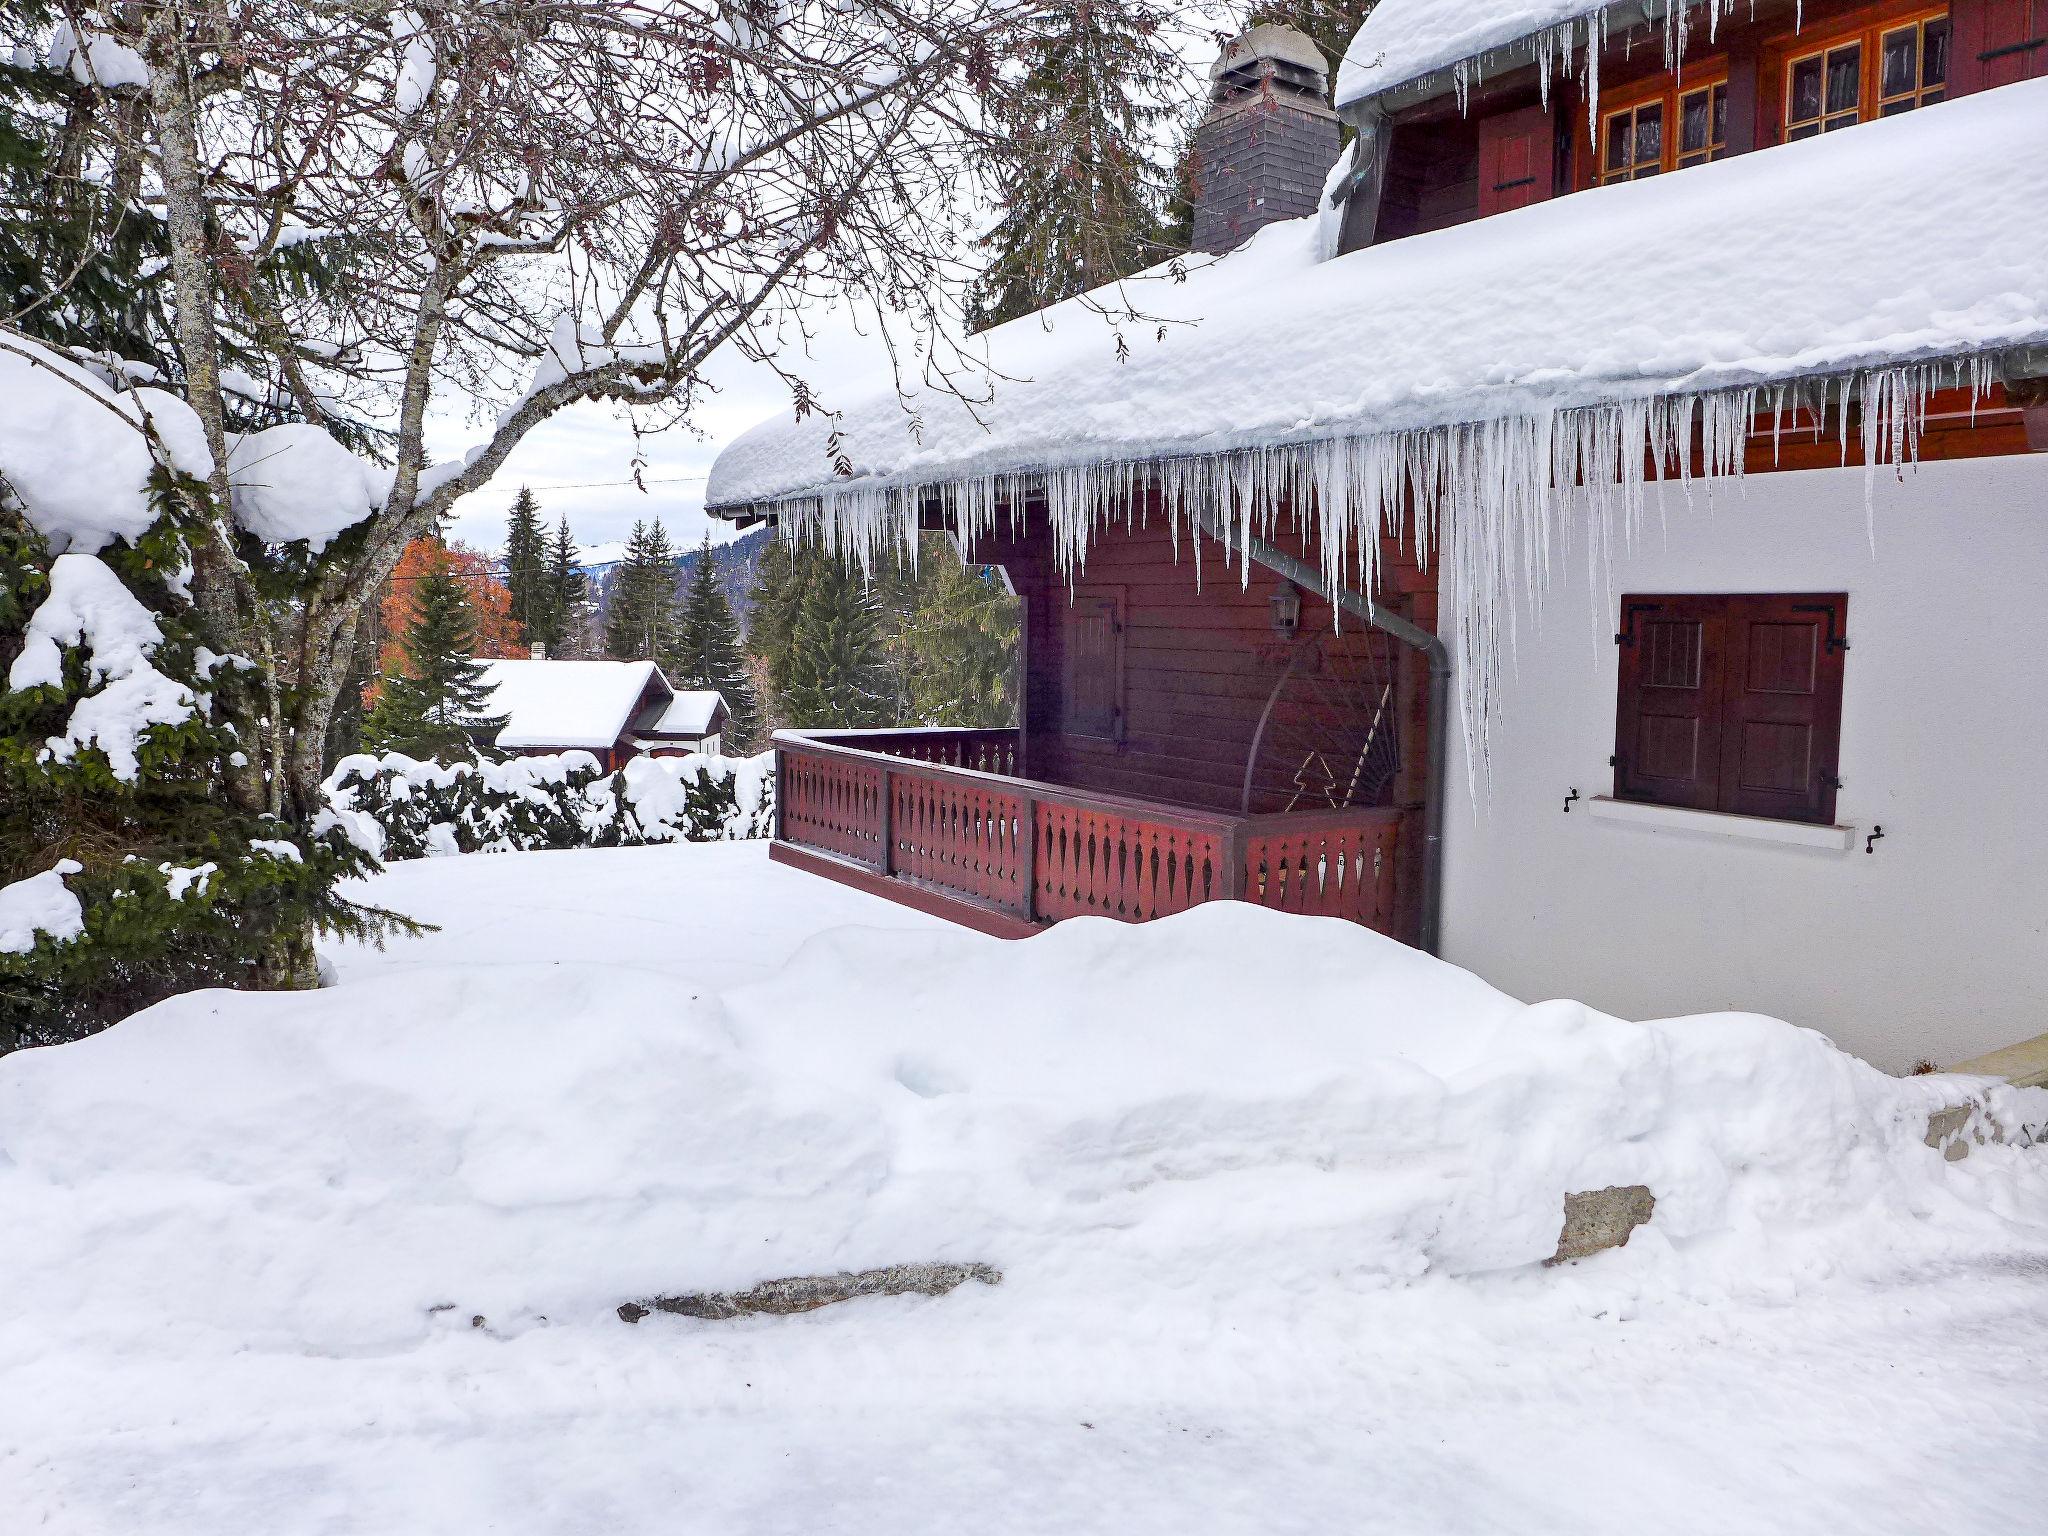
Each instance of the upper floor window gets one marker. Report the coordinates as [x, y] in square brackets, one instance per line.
[1667, 131]
[1882, 70]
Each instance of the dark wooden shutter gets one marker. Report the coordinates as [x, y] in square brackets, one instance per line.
[1997, 42]
[1667, 732]
[1092, 654]
[1781, 722]
[1517, 159]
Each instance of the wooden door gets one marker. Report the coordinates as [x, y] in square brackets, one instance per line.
[1517, 160]
[1092, 667]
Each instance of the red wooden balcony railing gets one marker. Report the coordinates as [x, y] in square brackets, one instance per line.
[937, 819]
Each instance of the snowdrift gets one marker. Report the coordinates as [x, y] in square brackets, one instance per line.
[1125, 1112]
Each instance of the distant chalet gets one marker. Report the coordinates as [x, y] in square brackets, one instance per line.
[616, 710]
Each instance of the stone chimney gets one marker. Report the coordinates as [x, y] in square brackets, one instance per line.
[1269, 140]
[540, 650]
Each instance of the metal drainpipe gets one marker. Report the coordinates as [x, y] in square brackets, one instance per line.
[1415, 637]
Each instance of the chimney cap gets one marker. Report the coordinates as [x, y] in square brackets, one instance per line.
[1269, 42]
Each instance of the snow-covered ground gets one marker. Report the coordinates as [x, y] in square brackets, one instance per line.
[1268, 1195]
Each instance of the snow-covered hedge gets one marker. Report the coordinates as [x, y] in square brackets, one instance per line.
[396, 807]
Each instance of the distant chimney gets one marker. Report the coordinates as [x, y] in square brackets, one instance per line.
[539, 649]
[1269, 140]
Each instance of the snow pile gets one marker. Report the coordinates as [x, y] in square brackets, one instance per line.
[395, 807]
[40, 905]
[551, 703]
[77, 452]
[346, 1261]
[296, 482]
[99, 61]
[74, 451]
[87, 606]
[1102, 1111]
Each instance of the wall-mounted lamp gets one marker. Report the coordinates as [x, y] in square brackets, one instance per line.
[1286, 605]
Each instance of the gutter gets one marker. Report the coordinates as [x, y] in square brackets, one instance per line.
[1416, 638]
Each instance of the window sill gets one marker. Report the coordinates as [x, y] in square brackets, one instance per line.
[1751, 829]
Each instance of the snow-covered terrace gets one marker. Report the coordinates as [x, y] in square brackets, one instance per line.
[1918, 240]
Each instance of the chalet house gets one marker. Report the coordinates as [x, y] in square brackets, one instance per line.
[616, 710]
[1594, 527]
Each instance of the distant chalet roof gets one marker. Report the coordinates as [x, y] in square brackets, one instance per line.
[1918, 238]
[690, 713]
[586, 704]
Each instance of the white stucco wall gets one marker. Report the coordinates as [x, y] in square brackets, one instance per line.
[1935, 946]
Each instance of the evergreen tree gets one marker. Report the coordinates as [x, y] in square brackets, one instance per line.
[435, 707]
[1087, 211]
[835, 671]
[568, 595]
[707, 651]
[527, 570]
[779, 578]
[640, 619]
[959, 643]
[73, 234]
[177, 887]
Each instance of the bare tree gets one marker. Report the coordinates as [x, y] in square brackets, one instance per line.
[525, 204]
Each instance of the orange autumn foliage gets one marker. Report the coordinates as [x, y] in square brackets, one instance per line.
[489, 600]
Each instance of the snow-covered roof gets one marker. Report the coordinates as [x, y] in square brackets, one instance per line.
[566, 703]
[1918, 238]
[1404, 40]
[690, 713]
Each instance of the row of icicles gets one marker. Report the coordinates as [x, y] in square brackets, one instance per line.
[1489, 499]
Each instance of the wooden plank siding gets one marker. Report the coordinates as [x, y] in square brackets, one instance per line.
[1199, 663]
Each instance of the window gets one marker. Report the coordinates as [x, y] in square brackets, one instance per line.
[1731, 703]
[1634, 143]
[1703, 124]
[1879, 72]
[1092, 653]
[1666, 132]
[1912, 66]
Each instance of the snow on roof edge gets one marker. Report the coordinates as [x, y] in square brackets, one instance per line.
[1676, 316]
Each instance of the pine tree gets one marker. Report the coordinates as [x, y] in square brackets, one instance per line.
[707, 650]
[835, 671]
[436, 707]
[959, 643]
[1086, 212]
[568, 595]
[640, 620]
[526, 570]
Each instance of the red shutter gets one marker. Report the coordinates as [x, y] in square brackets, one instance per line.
[1517, 160]
[1667, 733]
[1997, 42]
[1092, 650]
[1781, 724]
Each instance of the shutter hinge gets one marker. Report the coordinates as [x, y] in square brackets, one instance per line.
[1509, 186]
[1614, 762]
[1627, 636]
[1835, 642]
